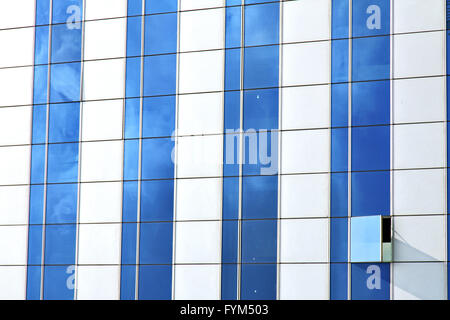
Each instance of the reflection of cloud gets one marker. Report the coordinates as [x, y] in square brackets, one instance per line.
[65, 82]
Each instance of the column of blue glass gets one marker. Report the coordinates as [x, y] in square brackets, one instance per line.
[448, 140]
[63, 149]
[158, 125]
[131, 150]
[38, 150]
[339, 150]
[260, 181]
[232, 124]
[370, 126]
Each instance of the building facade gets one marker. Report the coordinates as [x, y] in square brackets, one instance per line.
[223, 149]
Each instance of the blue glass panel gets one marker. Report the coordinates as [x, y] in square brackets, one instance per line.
[58, 282]
[232, 69]
[339, 281]
[131, 160]
[339, 149]
[130, 201]
[370, 148]
[159, 117]
[231, 154]
[155, 282]
[371, 17]
[339, 240]
[129, 236]
[41, 45]
[233, 27]
[232, 112]
[261, 67]
[371, 281]
[134, 41]
[256, 1]
[68, 11]
[371, 103]
[160, 75]
[65, 82]
[127, 282]
[156, 243]
[371, 58]
[62, 202]
[259, 241]
[62, 163]
[259, 282]
[40, 85]
[262, 24]
[35, 244]
[66, 44]
[60, 244]
[132, 118]
[161, 33]
[157, 158]
[339, 195]
[230, 231]
[39, 124]
[339, 105]
[233, 2]
[33, 282]
[36, 204]
[230, 198]
[42, 12]
[64, 122]
[365, 235]
[370, 193]
[229, 282]
[37, 163]
[339, 21]
[261, 109]
[339, 61]
[159, 6]
[133, 78]
[157, 200]
[134, 7]
[259, 197]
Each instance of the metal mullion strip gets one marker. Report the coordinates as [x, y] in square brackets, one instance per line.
[349, 196]
[391, 138]
[123, 153]
[241, 153]
[141, 100]
[280, 126]
[175, 156]
[80, 148]
[445, 153]
[31, 151]
[223, 149]
[330, 20]
[46, 148]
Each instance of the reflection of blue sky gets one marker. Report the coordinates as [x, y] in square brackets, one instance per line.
[64, 120]
[366, 239]
[262, 24]
[59, 9]
[152, 6]
[156, 243]
[61, 203]
[63, 162]
[160, 75]
[261, 109]
[65, 82]
[157, 200]
[371, 58]
[41, 42]
[60, 244]
[159, 116]
[261, 67]
[66, 44]
[371, 103]
[233, 27]
[156, 158]
[259, 241]
[259, 197]
[370, 193]
[161, 33]
[360, 17]
[371, 148]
